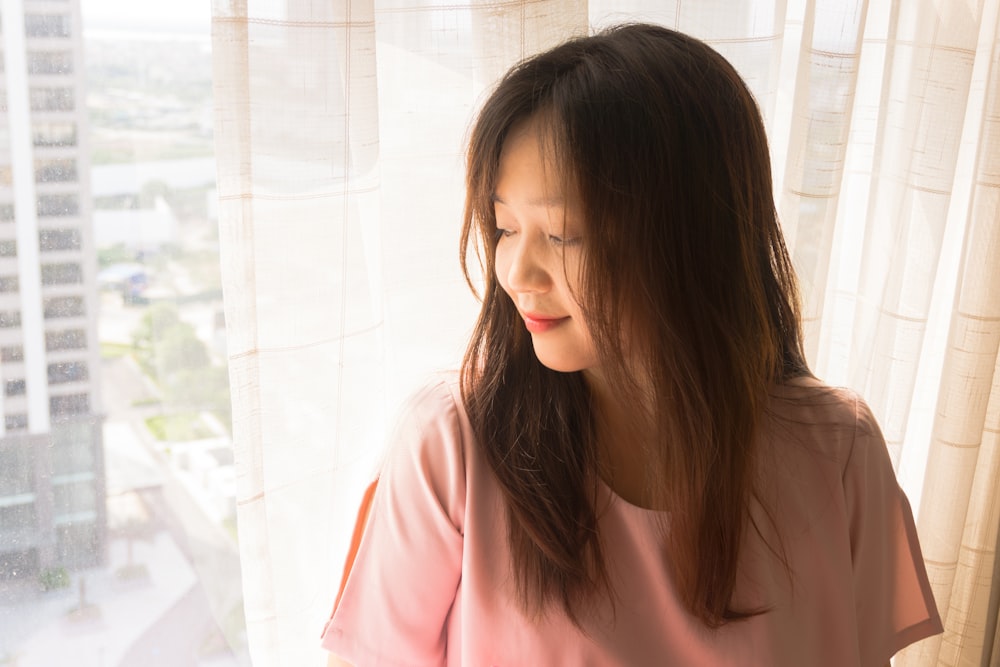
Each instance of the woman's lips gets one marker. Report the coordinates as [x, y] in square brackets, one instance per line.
[541, 323]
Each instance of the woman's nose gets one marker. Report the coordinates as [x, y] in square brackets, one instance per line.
[527, 270]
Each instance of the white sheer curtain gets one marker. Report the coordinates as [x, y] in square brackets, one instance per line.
[340, 129]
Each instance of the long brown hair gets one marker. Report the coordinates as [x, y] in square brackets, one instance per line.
[685, 270]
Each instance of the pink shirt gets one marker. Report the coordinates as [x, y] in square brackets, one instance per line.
[431, 584]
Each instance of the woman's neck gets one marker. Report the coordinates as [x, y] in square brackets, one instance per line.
[624, 442]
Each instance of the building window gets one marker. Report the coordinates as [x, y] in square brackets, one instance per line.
[47, 25]
[73, 497]
[59, 239]
[17, 519]
[63, 306]
[6, 212]
[14, 387]
[72, 339]
[72, 448]
[58, 205]
[16, 422]
[55, 171]
[12, 353]
[53, 134]
[8, 248]
[51, 99]
[9, 283]
[16, 470]
[61, 274]
[70, 371]
[10, 319]
[50, 62]
[73, 404]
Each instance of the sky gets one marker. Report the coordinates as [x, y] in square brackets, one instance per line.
[174, 16]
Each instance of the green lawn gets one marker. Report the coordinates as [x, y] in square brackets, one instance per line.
[178, 427]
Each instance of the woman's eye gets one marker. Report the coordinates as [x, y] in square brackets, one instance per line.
[561, 241]
[503, 233]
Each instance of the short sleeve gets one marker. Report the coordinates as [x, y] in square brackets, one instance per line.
[894, 603]
[402, 586]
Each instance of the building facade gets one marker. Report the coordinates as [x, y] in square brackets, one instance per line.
[52, 484]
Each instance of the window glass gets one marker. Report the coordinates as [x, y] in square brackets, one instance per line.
[45, 135]
[55, 170]
[50, 62]
[16, 422]
[63, 306]
[62, 274]
[14, 387]
[17, 468]
[69, 371]
[47, 25]
[72, 497]
[72, 339]
[127, 493]
[59, 239]
[73, 404]
[10, 318]
[58, 205]
[72, 448]
[51, 99]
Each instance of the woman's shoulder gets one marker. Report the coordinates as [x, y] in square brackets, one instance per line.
[827, 419]
[439, 399]
[433, 410]
[429, 444]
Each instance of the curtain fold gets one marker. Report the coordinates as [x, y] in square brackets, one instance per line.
[340, 129]
[961, 507]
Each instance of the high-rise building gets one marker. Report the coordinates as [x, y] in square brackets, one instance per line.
[52, 486]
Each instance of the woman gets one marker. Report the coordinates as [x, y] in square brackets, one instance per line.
[635, 466]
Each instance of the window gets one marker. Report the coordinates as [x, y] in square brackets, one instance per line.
[53, 134]
[47, 25]
[10, 319]
[73, 497]
[71, 339]
[58, 205]
[72, 448]
[15, 520]
[151, 101]
[8, 248]
[63, 306]
[61, 274]
[16, 469]
[50, 62]
[72, 371]
[72, 404]
[55, 171]
[14, 387]
[51, 99]
[59, 239]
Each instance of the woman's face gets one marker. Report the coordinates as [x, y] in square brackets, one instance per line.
[538, 252]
